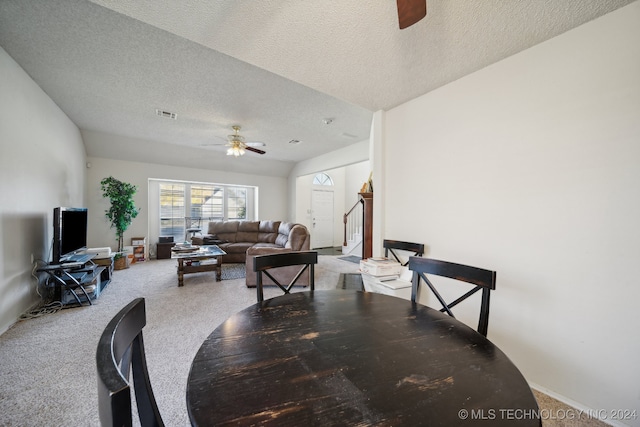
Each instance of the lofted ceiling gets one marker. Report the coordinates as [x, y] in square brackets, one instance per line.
[278, 68]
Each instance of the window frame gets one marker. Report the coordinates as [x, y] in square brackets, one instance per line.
[229, 191]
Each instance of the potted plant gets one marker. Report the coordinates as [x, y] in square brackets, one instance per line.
[121, 212]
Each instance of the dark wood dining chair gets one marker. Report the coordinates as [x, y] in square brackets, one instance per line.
[394, 246]
[121, 351]
[263, 263]
[484, 280]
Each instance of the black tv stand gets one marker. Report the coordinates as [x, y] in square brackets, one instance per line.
[77, 259]
[78, 281]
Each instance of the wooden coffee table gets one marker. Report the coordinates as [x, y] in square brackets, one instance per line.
[197, 259]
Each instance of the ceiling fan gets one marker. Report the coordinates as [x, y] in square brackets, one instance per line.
[410, 12]
[237, 145]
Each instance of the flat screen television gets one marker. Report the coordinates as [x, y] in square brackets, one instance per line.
[69, 232]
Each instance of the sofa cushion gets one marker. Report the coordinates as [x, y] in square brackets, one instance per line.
[283, 233]
[248, 231]
[224, 246]
[268, 231]
[249, 226]
[225, 230]
[266, 245]
[298, 238]
[237, 247]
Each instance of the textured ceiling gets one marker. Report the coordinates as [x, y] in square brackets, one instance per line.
[275, 67]
[354, 50]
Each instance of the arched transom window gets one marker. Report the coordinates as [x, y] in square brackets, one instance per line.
[322, 179]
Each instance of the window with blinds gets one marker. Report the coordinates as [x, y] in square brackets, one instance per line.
[237, 199]
[208, 202]
[172, 197]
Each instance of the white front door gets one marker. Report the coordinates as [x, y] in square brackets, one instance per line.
[321, 219]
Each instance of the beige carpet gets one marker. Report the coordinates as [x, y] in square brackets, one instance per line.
[47, 368]
[47, 364]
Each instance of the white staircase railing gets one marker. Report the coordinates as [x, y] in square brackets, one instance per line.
[352, 228]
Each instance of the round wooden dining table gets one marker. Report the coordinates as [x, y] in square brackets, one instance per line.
[343, 358]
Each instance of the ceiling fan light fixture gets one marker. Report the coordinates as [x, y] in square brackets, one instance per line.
[236, 145]
[236, 150]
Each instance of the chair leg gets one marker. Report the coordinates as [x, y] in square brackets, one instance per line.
[259, 293]
[483, 324]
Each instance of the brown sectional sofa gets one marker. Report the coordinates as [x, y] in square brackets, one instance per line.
[242, 240]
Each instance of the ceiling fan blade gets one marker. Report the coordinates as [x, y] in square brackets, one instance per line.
[411, 11]
[255, 150]
[221, 141]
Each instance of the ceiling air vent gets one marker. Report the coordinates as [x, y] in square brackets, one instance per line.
[166, 114]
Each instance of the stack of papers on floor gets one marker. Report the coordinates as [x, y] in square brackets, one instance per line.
[395, 283]
[398, 285]
[380, 267]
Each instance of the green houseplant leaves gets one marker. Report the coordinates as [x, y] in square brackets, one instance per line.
[123, 208]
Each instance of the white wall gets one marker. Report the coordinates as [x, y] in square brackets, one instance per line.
[272, 194]
[352, 154]
[356, 175]
[531, 167]
[42, 165]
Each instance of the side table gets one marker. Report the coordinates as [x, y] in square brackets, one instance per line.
[163, 250]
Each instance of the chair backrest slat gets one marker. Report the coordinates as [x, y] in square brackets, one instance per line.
[263, 263]
[192, 221]
[121, 350]
[393, 246]
[484, 280]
